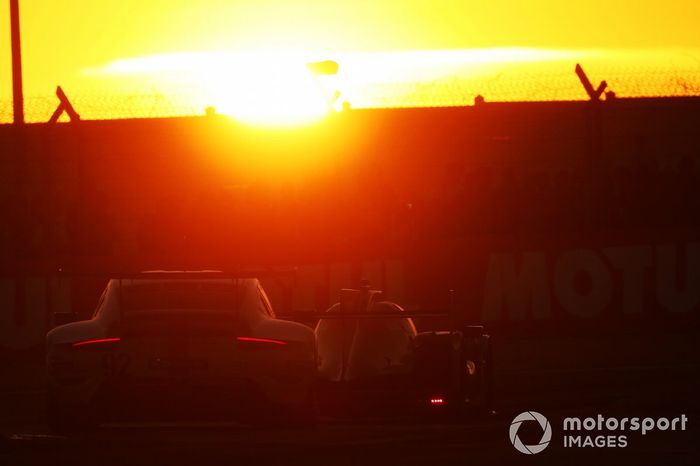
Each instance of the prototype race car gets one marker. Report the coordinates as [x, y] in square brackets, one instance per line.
[169, 340]
[371, 359]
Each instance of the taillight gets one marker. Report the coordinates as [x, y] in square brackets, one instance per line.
[436, 401]
[97, 342]
[252, 341]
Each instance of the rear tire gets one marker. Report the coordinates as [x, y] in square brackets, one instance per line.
[61, 418]
[303, 415]
[481, 386]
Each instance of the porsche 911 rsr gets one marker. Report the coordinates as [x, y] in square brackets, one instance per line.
[169, 342]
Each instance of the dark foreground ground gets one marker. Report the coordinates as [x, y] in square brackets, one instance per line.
[622, 376]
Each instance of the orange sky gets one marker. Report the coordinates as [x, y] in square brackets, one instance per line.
[73, 42]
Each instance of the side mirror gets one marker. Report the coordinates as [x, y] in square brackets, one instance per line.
[62, 318]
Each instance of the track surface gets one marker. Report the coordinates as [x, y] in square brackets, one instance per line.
[609, 376]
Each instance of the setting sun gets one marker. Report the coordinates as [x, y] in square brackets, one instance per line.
[267, 90]
[246, 59]
[260, 88]
[283, 88]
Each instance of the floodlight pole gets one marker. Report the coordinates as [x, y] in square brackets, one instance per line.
[17, 94]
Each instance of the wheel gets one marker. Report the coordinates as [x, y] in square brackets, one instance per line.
[480, 381]
[61, 418]
[303, 415]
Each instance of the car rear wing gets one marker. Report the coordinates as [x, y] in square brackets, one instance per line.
[61, 318]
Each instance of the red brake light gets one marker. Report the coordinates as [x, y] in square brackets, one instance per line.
[261, 340]
[100, 340]
[437, 401]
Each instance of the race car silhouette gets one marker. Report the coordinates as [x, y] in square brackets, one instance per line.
[372, 359]
[170, 342]
[167, 343]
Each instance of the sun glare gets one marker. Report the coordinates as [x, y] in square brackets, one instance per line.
[277, 88]
[269, 92]
[257, 88]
